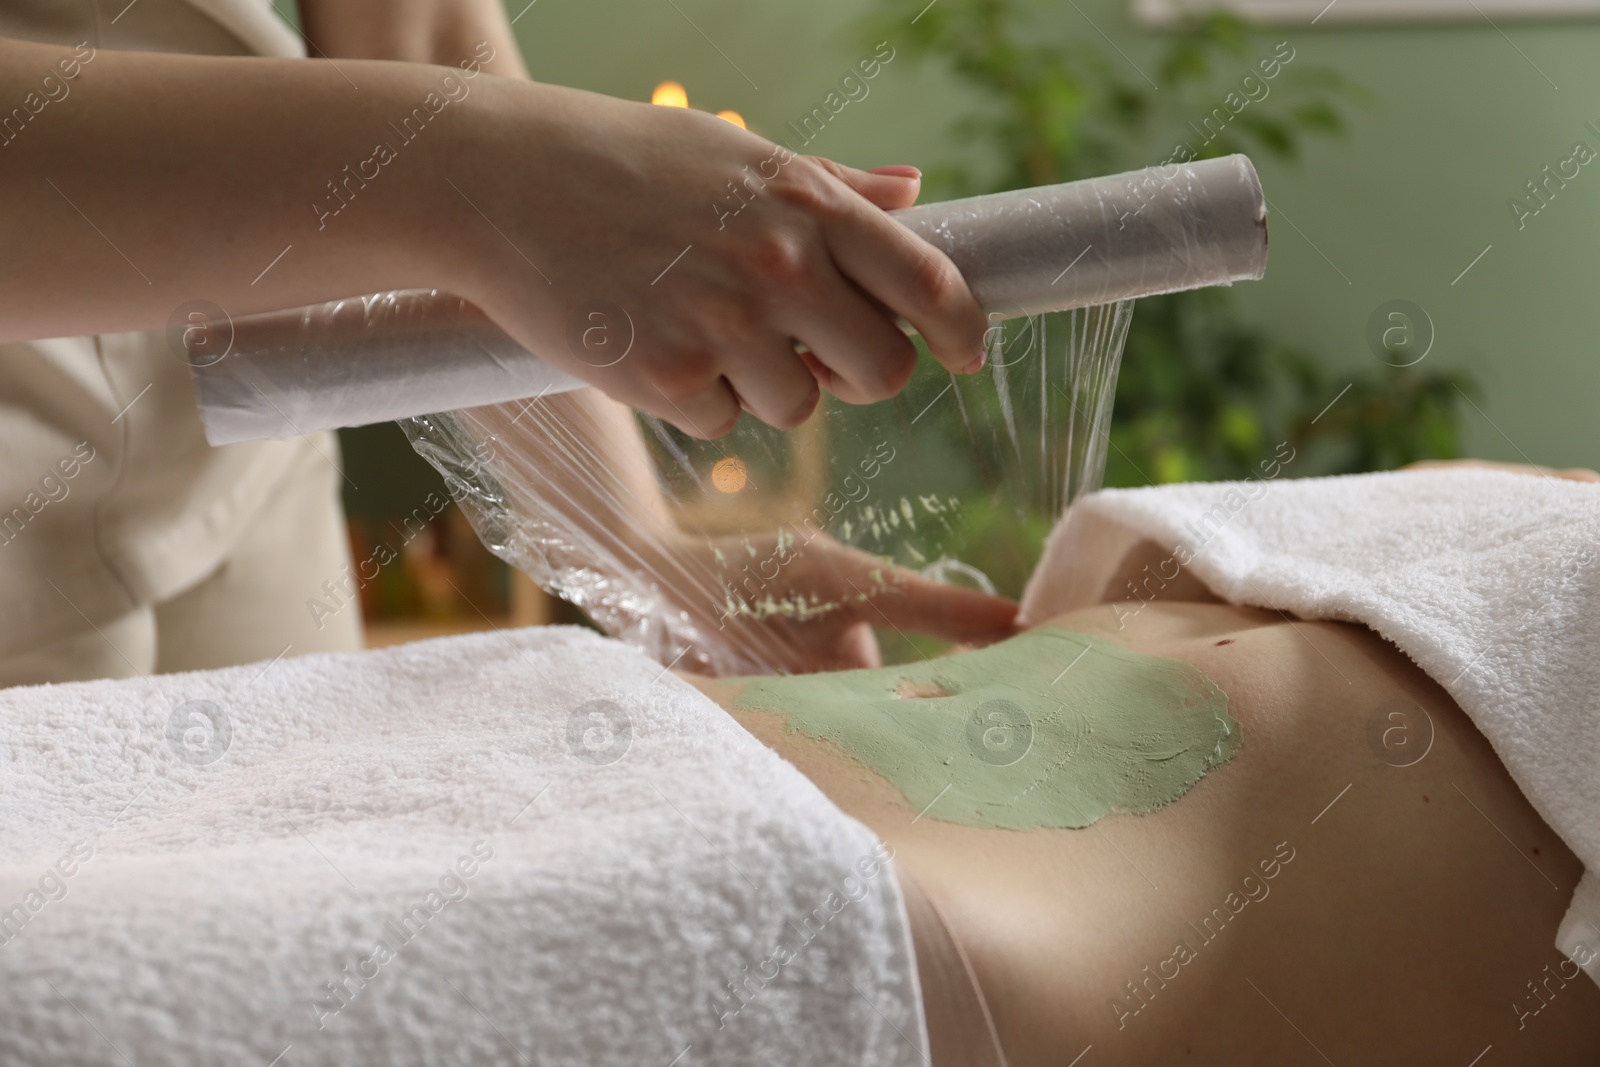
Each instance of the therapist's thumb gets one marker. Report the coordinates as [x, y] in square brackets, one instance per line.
[886, 187]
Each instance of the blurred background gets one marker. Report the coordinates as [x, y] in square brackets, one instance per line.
[1432, 228]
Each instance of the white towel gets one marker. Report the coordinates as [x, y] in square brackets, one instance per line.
[553, 881]
[1489, 580]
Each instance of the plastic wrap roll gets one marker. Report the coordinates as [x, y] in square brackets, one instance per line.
[1054, 248]
[1144, 233]
[360, 361]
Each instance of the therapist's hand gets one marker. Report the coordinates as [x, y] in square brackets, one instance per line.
[609, 247]
[818, 609]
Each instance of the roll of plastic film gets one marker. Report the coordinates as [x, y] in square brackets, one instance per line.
[360, 361]
[395, 355]
[1144, 233]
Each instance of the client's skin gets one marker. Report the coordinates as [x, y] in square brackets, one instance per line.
[1361, 883]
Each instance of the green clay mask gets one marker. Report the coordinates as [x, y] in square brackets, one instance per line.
[1048, 729]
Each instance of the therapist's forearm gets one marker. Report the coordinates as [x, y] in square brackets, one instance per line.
[151, 180]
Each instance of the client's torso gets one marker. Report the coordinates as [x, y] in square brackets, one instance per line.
[1358, 882]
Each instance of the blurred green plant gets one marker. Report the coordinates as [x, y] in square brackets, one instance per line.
[1202, 394]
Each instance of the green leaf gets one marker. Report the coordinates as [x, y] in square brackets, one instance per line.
[1241, 428]
[1318, 115]
[1277, 137]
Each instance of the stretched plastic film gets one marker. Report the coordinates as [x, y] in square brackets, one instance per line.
[772, 551]
[396, 355]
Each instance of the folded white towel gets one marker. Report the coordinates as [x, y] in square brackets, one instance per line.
[445, 853]
[1489, 580]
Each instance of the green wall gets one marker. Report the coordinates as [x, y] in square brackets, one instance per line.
[1460, 119]
[1460, 123]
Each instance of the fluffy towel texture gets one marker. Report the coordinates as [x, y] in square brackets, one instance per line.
[536, 902]
[1489, 580]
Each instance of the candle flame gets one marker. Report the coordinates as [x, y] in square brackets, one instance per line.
[670, 94]
[728, 475]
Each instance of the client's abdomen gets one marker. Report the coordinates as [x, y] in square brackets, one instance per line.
[1361, 882]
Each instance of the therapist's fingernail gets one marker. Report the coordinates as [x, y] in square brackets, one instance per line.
[898, 170]
[976, 365]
